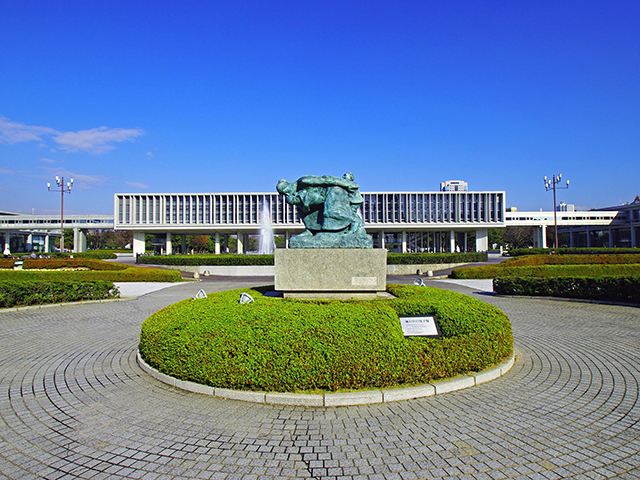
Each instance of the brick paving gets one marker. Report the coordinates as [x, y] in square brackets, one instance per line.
[76, 405]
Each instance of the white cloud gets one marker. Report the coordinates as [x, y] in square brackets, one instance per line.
[47, 160]
[137, 185]
[80, 180]
[14, 132]
[96, 140]
[149, 155]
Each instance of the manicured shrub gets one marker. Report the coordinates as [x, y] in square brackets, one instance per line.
[392, 259]
[212, 259]
[56, 263]
[516, 252]
[586, 259]
[128, 274]
[18, 293]
[96, 254]
[618, 289]
[495, 271]
[437, 258]
[294, 345]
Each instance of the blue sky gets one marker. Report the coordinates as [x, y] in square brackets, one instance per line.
[231, 96]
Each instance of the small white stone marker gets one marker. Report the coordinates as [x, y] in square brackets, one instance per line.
[245, 298]
[200, 294]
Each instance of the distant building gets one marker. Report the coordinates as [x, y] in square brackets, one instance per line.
[454, 186]
[565, 207]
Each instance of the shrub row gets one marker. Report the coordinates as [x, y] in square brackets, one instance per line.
[495, 271]
[611, 259]
[96, 254]
[437, 258]
[293, 345]
[617, 289]
[392, 259]
[18, 293]
[516, 252]
[55, 263]
[210, 259]
[128, 274]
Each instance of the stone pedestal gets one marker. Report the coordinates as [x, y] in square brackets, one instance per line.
[331, 272]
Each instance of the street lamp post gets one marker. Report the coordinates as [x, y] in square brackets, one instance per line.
[551, 184]
[63, 189]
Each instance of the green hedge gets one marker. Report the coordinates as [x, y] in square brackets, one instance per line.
[96, 254]
[294, 345]
[18, 293]
[516, 252]
[618, 289]
[495, 271]
[437, 258]
[211, 259]
[129, 274]
[392, 259]
[587, 259]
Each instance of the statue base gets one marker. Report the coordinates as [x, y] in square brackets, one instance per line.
[338, 273]
[332, 240]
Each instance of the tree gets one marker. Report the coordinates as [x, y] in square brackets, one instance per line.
[198, 242]
[519, 237]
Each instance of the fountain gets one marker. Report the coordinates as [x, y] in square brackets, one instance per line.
[266, 242]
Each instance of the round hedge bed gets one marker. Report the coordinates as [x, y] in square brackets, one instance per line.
[283, 345]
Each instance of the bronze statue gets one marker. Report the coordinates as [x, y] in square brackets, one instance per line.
[328, 207]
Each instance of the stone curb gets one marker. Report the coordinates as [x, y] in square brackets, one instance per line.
[365, 397]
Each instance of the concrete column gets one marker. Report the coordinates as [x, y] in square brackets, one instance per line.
[404, 242]
[610, 238]
[30, 241]
[240, 248]
[46, 243]
[632, 237]
[382, 239]
[7, 242]
[287, 237]
[217, 243]
[543, 236]
[482, 240]
[138, 244]
[168, 248]
[183, 245]
[465, 243]
[452, 241]
[79, 240]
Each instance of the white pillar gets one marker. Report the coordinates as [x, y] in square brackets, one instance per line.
[79, 240]
[287, 237]
[452, 241]
[465, 243]
[482, 240]
[217, 243]
[167, 247]
[543, 234]
[240, 248]
[138, 244]
[382, 239]
[404, 242]
[30, 242]
[46, 243]
[7, 242]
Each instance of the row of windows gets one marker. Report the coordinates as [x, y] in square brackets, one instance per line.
[246, 208]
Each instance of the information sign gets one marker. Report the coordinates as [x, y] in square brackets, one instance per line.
[420, 326]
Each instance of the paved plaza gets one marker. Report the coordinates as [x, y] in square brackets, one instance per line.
[75, 404]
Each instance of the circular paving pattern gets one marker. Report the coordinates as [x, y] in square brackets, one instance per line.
[76, 404]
